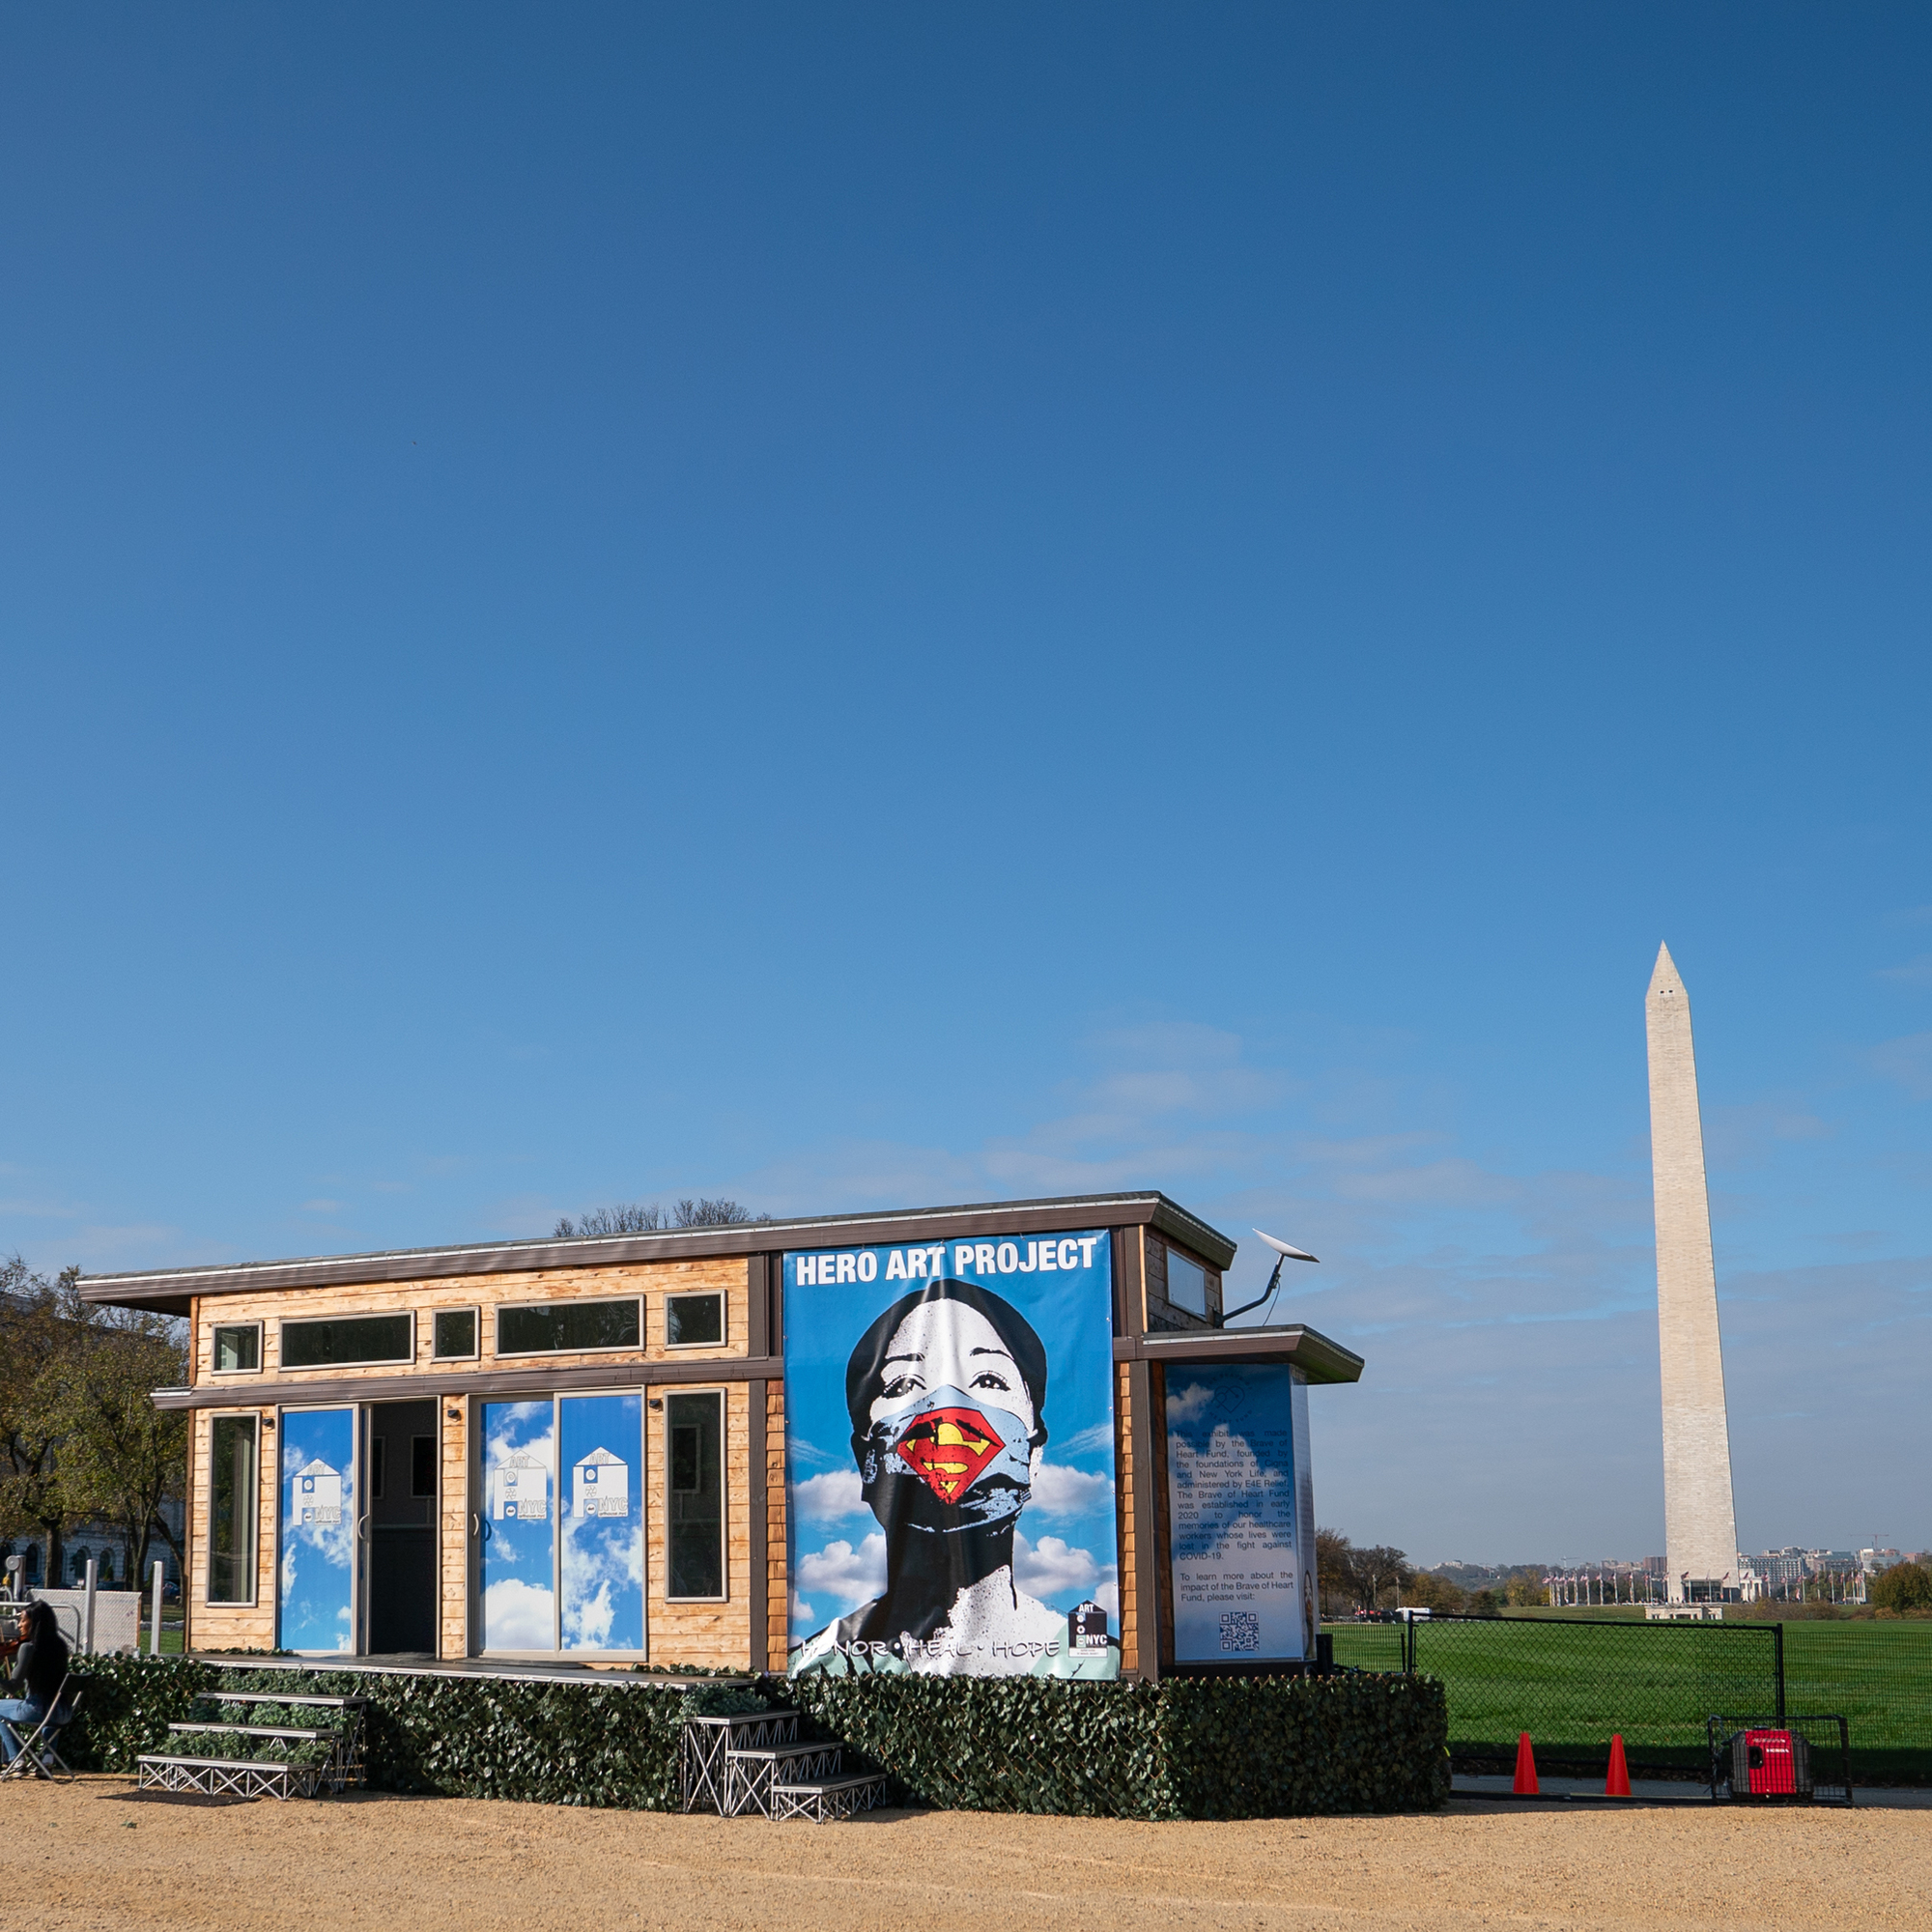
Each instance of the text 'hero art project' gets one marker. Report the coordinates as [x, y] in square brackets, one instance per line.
[950, 1437]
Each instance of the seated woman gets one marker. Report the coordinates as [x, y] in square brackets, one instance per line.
[40, 1660]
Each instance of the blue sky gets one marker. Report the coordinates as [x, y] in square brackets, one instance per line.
[868, 606]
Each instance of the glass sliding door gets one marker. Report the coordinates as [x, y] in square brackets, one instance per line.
[601, 1439]
[319, 1505]
[519, 1578]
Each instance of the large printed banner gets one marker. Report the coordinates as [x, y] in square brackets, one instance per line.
[949, 1458]
[1240, 1513]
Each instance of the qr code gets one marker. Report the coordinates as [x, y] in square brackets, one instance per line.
[1240, 1630]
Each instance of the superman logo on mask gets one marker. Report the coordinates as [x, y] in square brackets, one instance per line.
[946, 1448]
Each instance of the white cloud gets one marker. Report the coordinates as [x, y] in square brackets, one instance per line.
[603, 1562]
[1907, 1060]
[1188, 1404]
[826, 1498]
[1062, 1492]
[519, 1616]
[1084, 1443]
[852, 1575]
[1046, 1568]
[586, 1622]
[1915, 973]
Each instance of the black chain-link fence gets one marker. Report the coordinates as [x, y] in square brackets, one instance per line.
[1573, 1682]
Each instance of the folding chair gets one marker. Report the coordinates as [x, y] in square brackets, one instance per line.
[38, 1755]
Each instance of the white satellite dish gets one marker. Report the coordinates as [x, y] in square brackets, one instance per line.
[1285, 1254]
[1290, 1254]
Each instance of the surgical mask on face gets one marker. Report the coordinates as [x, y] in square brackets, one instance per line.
[956, 1452]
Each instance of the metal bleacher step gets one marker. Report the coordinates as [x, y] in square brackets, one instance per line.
[824, 1800]
[751, 1771]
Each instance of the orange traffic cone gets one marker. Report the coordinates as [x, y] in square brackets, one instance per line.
[1618, 1784]
[1526, 1786]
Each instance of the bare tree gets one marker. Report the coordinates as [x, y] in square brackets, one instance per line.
[642, 1218]
[1358, 1575]
[1377, 1567]
[1334, 1574]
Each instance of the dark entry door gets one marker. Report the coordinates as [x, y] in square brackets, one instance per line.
[401, 1527]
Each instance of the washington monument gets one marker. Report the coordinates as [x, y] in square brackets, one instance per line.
[1700, 1530]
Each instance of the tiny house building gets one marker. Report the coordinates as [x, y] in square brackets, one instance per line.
[995, 1439]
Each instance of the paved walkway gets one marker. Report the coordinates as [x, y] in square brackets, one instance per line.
[1666, 1791]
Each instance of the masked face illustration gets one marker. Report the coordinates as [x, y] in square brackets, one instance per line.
[950, 1439]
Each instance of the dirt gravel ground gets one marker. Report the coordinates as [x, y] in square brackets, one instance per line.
[98, 1853]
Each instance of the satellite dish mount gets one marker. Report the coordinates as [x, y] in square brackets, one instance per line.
[1283, 1253]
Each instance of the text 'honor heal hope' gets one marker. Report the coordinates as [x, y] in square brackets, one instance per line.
[968, 1257]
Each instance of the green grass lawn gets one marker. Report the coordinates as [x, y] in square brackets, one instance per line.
[1570, 1684]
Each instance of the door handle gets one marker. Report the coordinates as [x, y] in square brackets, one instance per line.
[475, 1524]
[363, 1528]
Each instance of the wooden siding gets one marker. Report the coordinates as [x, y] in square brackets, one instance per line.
[232, 1626]
[454, 1543]
[711, 1633]
[653, 1280]
[1158, 1311]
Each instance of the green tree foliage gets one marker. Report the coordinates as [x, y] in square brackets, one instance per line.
[79, 1437]
[121, 1456]
[1436, 1593]
[1905, 1586]
[1525, 1590]
[35, 1333]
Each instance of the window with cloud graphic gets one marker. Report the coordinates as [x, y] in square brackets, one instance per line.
[1237, 1568]
[518, 1543]
[602, 1551]
[315, 1585]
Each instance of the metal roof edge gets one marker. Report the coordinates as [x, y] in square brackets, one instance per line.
[152, 1287]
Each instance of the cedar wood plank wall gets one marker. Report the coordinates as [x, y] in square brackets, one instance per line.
[713, 1633]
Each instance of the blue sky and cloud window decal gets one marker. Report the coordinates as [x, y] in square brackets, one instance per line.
[563, 1538]
[317, 1577]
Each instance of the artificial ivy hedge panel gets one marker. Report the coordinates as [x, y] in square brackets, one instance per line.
[612, 1745]
[127, 1704]
[1185, 1748]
